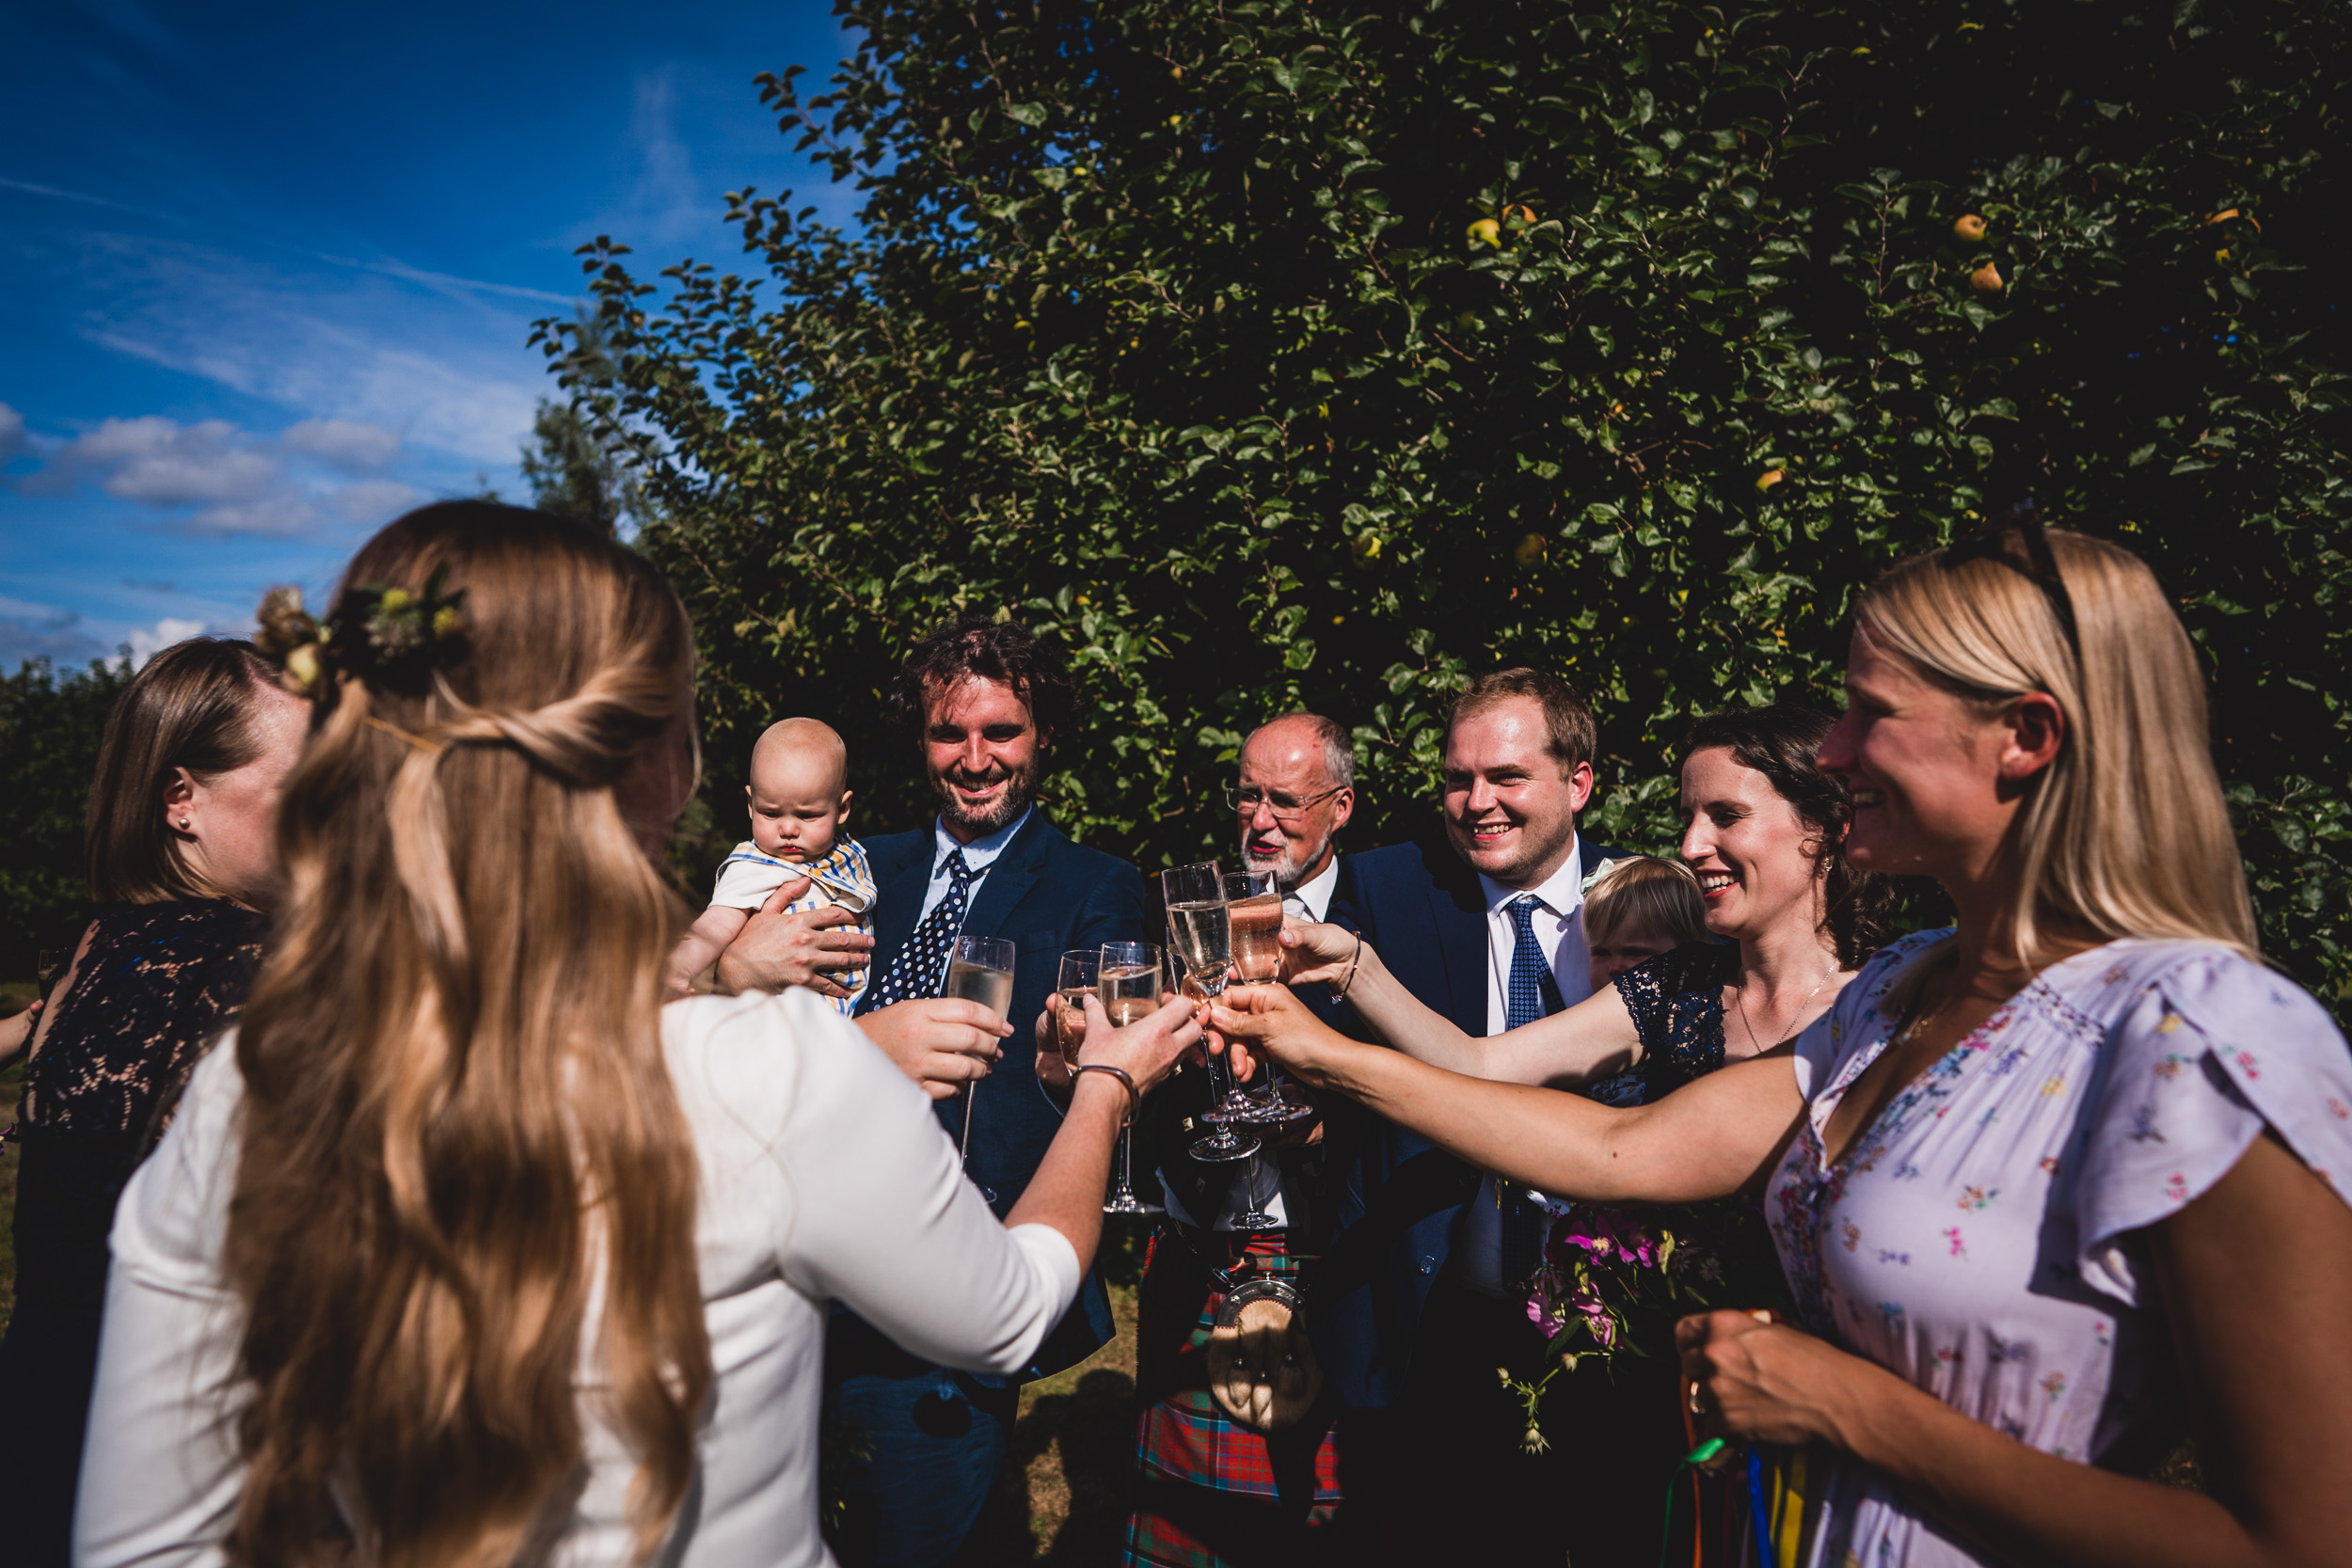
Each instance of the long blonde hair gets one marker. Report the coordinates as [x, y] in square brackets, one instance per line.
[2126, 834]
[459, 1127]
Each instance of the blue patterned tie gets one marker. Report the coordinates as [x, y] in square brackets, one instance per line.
[1534, 993]
[921, 964]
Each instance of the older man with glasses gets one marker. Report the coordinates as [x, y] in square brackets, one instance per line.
[1217, 1484]
[1297, 788]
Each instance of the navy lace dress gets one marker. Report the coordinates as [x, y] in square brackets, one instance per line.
[157, 983]
[1677, 1000]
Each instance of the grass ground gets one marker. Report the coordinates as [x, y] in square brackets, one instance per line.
[1064, 1498]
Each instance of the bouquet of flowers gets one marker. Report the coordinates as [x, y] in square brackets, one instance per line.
[1614, 1280]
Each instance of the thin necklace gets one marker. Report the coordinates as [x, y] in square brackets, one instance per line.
[1740, 997]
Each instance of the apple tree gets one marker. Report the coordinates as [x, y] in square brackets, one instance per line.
[1278, 352]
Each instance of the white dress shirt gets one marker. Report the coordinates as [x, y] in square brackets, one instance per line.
[979, 856]
[1475, 1258]
[1312, 899]
[1559, 925]
[1259, 1180]
[825, 1177]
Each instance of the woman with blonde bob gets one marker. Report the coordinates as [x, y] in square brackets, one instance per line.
[2050, 1187]
[464, 1250]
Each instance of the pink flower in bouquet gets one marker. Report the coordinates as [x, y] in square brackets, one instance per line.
[1603, 1235]
[1551, 1317]
[1600, 1323]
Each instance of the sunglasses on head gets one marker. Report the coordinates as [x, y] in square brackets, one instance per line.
[2039, 565]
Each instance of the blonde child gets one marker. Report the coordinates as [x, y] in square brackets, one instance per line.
[798, 799]
[1637, 907]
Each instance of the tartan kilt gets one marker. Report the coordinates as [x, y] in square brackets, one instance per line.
[1210, 1494]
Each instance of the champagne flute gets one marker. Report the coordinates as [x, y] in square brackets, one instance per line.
[1203, 932]
[1080, 967]
[979, 969]
[1127, 982]
[1255, 904]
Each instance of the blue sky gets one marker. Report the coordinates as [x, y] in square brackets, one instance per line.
[267, 270]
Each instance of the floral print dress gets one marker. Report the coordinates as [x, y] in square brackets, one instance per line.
[1981, 1237]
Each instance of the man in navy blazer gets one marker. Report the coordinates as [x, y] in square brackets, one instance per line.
[1416, 1305]
[985, 700]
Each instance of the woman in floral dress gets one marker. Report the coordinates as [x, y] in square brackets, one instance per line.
[2051, 1187]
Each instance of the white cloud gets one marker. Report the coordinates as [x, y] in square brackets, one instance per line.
[147, 642]
[12, 438]
[283, 514]
[211, 477]
[164, 463]
[438, 363]
[665, 205]
[351, 445]
[216, 478]
[43, 631]
[373, 502]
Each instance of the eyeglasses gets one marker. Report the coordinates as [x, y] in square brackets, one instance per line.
[1993, 544]
[1286, 808]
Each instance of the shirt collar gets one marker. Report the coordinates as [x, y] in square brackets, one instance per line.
[980, 853]
[1315, 892]
[1561, 893]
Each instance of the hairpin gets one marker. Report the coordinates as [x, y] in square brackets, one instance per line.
[386, 635]
[2040, 565]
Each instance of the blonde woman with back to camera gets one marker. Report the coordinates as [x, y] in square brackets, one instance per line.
[465, 1251]
[2049, 1188]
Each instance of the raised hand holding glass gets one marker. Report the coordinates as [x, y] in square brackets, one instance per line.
[979, 969]
[1127, 982]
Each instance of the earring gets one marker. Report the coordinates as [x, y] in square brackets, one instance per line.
[183, 824]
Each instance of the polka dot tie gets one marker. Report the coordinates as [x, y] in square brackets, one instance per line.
[1534, 993]
[922, 963]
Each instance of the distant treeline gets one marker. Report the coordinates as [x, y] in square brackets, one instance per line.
[50, 725]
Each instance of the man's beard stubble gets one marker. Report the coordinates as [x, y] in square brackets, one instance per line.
[1020, 788]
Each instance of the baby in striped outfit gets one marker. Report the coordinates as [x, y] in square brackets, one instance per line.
[799, 797]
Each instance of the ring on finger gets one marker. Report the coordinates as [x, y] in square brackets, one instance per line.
[1697, 1403]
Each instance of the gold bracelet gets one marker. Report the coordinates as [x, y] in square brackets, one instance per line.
[1134, 1096]
[1349, 978]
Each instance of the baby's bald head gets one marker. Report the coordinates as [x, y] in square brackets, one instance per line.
[800, 788]
[806, 749]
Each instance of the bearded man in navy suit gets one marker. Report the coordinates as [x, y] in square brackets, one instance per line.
[985, 700]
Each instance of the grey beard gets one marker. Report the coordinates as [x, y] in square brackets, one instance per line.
[1288, 878]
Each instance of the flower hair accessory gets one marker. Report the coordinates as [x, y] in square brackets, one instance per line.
[385, 636]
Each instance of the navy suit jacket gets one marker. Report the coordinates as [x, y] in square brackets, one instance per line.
[1423, 910]
[1046, 895]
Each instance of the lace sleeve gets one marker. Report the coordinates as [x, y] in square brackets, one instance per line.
[159, 981]
[1677, 1002]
